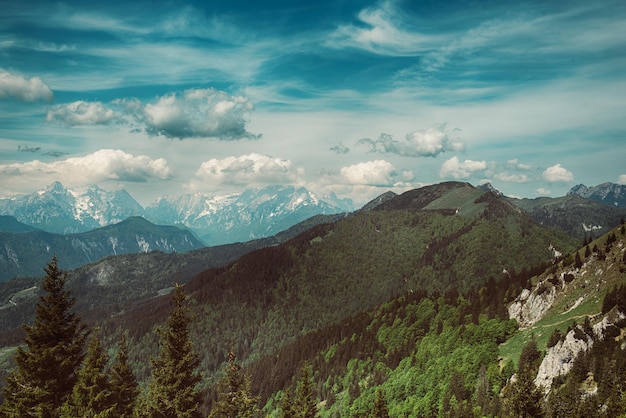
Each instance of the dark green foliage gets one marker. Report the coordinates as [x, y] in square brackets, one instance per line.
[92, 394]
[53, 350]
[555, 337]
[124, 385]
[305, 401]
[380, 409]
[578, 263]
[523, 398]
[234, 397]
[615, 297]
[286, 406]
[173, 392]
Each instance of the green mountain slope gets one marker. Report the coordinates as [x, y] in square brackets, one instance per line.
[272, 296]
[373, 300]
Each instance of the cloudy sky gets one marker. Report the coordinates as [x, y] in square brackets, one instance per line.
[355, 97]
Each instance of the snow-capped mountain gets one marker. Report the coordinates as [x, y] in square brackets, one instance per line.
[246, 216]
[60, 210]
[608, 193]
[214, 219]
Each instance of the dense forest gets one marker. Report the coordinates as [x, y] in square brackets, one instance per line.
[410, 319]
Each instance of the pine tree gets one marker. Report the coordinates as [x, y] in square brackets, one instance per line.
[234, 397]
[524, 398]
[286, 405]
[380, 409]
[578, 263]
[54, 349]
[305, 403]
[172, 390]
[123, 382]
[92, 395]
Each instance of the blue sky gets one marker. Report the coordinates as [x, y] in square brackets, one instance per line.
[354, 97]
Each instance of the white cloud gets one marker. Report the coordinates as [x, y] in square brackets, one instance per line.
[515, 164]
[102, 165]
[453, 168]
[512, 178]
[383, 33]
[542, 191]
[557, 173]
[248, 170]
[28, 90]
[83, 113]
[199, 113]
[379, 173]
[622, 179]
[423, 143]
[194, 113]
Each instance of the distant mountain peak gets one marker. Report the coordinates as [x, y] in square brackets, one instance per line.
[488, 187]
[608, 193]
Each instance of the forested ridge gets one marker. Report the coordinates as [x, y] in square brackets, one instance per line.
[406, 320]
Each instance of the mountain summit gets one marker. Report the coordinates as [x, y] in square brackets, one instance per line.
[608, 193]
[60, 210]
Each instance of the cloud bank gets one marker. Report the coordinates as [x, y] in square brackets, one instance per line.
[250, 169]
[193, 113]
[102, 165]
[423, 143]
[20, 88]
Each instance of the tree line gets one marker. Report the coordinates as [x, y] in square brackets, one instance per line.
[62, 368]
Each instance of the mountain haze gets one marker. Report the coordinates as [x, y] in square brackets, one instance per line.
[573, 214]
[21, 253]
[214, 219]
[243, 217]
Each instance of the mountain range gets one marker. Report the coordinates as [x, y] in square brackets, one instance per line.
[22, 250]
[214, 219]
[408, 295]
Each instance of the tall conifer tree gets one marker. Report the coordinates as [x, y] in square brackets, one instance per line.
[53, 350]
[234, 396]
[172, 391]
[123, 382]
[380, 409]
[305, 401]
[92, 395]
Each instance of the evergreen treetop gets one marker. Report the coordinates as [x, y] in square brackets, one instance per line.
[173, 390]
[123, 382]
[53, 350]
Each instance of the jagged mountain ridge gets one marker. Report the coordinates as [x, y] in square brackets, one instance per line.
[60, 210]
[216, 219]
[242, 217]
[608, 193]
[22, 253]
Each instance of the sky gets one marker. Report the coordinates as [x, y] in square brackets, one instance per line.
[351, 97]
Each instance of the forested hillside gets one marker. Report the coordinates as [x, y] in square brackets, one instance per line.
[401, 308]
